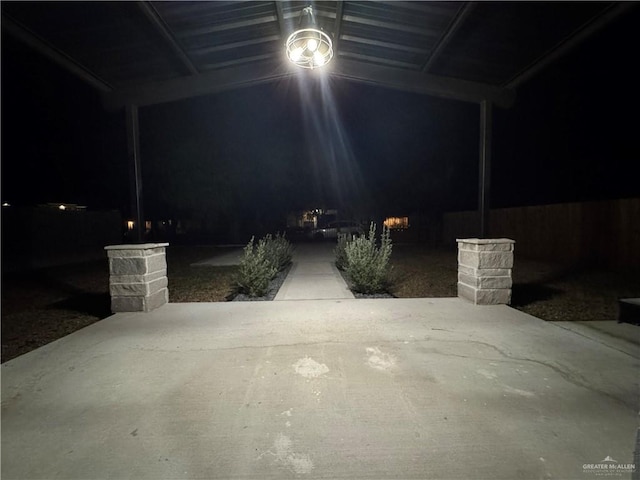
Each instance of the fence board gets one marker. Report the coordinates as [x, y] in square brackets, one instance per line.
[606, 233]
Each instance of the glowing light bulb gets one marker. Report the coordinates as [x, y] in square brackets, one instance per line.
[312, 44]
[318, 59]
[296, 53]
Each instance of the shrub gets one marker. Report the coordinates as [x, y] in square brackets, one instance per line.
[341, 252]
[261, 262]
[279, 251]
[367, 265]
[256, 269]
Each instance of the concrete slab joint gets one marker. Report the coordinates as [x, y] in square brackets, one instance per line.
[137, 277]
[484, 270]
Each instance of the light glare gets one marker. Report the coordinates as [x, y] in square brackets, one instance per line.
[309, 48]
[296, 54]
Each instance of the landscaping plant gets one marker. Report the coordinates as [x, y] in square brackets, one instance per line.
[367, 265]
[261, 261]
[341, 251]
[279, 251]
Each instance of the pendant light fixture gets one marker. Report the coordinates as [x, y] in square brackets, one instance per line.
[309, 47]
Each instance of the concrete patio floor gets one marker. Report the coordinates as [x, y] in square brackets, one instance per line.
[349, 388]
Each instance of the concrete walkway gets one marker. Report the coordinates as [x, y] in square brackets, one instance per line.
[348, 388]
[314, 275]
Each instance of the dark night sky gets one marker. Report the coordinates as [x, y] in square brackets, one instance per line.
[572, 135]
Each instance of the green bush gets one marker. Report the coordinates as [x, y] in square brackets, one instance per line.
[341, 252]
[279, 251]
[256, 269]
[367, 265]
[261, 262]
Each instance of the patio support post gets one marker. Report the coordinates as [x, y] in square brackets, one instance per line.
[137, 277]
[135, 171]
[484, 187]
[484, 270]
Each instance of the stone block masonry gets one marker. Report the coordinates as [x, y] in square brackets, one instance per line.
[137, 277]
[484, 270]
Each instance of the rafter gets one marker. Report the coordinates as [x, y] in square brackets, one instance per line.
[337, 26]
[163, 29]
[271, 70]
[228, 78]
[22, 33]
[420, 82]
[453, 28]
[568, 44]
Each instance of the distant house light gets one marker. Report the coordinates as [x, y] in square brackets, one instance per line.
[397, 223]
[130, 224]
[6, 204]
[68, 207]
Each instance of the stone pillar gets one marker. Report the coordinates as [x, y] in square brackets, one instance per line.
[137, 277]
[484, 270]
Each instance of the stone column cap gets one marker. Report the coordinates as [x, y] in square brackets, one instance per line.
[136, 246]
[484, 241]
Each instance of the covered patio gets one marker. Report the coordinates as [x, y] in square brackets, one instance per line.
[332, 388]
[396, 388]
[319, 384]
[140, 54]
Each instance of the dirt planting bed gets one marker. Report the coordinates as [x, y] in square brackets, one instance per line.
[41, 306]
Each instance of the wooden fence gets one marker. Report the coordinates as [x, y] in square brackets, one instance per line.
[606, 233]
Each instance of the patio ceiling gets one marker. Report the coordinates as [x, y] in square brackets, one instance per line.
[144, 53]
